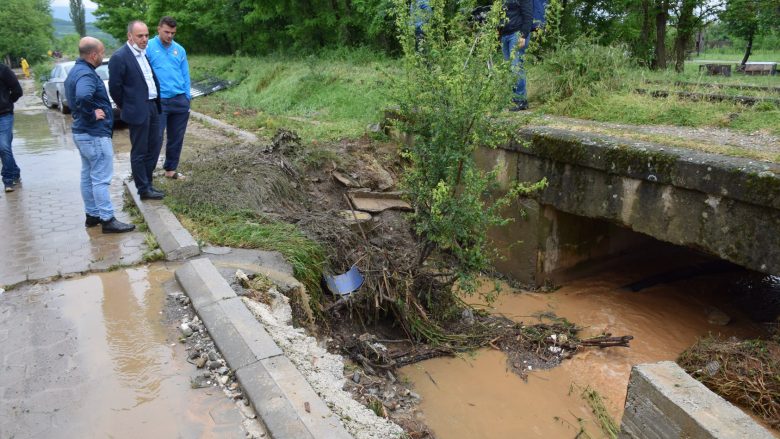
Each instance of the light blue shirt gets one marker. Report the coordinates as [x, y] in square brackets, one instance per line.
[171, 67]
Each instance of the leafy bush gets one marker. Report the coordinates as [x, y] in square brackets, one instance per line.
[580, 67]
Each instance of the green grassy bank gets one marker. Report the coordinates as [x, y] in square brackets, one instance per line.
[337, 95]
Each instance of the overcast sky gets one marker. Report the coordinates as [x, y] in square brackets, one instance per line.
[87, 3]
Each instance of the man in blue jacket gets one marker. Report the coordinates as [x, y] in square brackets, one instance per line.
[136, 92]
[92, 128]
[514, 36]
[169, 61]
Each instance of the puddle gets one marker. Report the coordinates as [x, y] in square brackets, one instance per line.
[479, 397]
[138, 377]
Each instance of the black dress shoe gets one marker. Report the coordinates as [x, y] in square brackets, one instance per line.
[115, 226]
[152, 195]
[92, 221]
[154, 189]
[520, 105]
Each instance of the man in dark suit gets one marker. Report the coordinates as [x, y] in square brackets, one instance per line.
[136, 92]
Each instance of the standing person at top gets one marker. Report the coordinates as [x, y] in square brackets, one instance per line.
[10, 92]
[136, 92]
[169, 61]
[93, 127]
[514, 36]
[25, 68]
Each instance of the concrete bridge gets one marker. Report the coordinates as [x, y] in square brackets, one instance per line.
[603, 189]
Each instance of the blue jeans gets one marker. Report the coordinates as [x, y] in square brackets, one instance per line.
[10, 171]
[173, 120]
[97, 167]
[516, 54]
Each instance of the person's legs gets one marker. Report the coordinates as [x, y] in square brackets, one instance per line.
[177, 115]
[139, 150]
[102, 171]
[10, 171]
[518, 59]
[154, 141]
[85, 145]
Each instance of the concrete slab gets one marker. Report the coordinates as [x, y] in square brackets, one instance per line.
[663, 401]
[238, 335]
[174, 240]
[203, 283]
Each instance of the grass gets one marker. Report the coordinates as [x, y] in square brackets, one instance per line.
[332, 96]
[337, 95]
[607, 423]
[246, 229]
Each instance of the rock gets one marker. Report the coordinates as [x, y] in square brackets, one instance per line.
[200, 362]
[185, 329]
[213, 355]
[200, 381]
[224, 379]
[414, 395]
[246, 411]
[214, 365]
[223, 370]
[468, 317]
[374, 128]
[717, 317]
[356, 377]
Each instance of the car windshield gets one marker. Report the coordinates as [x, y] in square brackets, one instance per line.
[102, 71]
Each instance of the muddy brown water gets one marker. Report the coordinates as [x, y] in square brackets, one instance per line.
[138, 370]
[478, 397]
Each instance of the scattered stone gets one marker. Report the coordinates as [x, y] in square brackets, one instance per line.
[214, 365]
[200, 362]
[185, 329]
[224, 379]
[201, 381]
[468, 317]
[246, 411]
[717, 317]
[213, 355]
[223, 370]
[356, 377]
[345, 179]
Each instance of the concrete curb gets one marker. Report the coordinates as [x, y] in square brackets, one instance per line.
[281, 396]
[243, 135]
[174, 240]
[665, 402]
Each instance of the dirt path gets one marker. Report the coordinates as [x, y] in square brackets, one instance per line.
[757, 145]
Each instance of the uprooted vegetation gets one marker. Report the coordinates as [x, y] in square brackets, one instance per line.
[745, 372]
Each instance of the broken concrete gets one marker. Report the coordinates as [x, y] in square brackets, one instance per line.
[665, 402]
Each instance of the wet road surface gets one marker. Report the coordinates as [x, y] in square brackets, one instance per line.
[98, 355]
[42, 222]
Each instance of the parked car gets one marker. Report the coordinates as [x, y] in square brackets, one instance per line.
[53, 94]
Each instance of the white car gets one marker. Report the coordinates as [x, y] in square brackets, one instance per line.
[53, 94]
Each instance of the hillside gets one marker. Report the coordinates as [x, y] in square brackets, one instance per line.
[65, 27]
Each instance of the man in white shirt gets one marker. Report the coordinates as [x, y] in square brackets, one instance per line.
[136, 92]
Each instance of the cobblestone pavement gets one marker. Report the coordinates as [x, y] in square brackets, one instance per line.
[42, 222]
[91, 356]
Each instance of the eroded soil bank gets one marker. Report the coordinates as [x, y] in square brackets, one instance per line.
[479, 396]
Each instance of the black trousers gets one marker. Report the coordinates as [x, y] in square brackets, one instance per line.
[145, 150]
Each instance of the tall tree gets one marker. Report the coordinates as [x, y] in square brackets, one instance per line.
[113, 15]
[26, 29]
[661, 18]
[687, 23]
[77, 17]
[749, 18]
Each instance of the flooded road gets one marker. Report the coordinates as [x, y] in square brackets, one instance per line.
[479, 398]
[96, 357]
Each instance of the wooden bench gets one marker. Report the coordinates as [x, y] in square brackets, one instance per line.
[759, 68]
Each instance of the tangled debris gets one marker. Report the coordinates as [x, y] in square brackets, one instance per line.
[745, 372]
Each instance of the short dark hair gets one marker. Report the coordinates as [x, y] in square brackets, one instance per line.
[168, 21]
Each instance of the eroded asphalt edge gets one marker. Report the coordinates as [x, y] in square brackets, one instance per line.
[285, 402]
